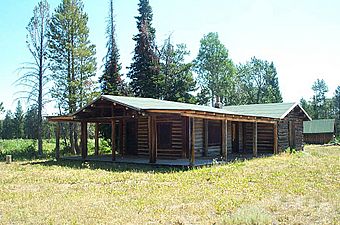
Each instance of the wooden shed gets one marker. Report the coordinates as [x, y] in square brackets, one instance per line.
[319, 131]
[157, 129]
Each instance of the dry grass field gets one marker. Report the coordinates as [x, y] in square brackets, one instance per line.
[299, 188]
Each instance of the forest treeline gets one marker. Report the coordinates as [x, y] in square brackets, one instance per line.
[64, 65]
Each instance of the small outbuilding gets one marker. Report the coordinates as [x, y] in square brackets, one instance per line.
[319, 131]
[153, 130]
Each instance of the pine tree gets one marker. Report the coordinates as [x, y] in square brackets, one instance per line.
[144, 70]
[110, 81]
[72, 57]
[320, 89]
[178, 77]
[18, 121]
[30, 123]
[8, 126]
[336, 102]
[2, 109]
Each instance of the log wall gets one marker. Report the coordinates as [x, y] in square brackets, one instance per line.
[199, 137]
[265, 137]
[318, 138]
[229, 141]
[176, 149]
[296, 117]
[142, 136]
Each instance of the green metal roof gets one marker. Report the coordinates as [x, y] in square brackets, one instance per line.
[271, 110]
[318, 126]
[139, 103]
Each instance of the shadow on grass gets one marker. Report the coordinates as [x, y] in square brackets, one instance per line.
[110, 166]
[134, 167]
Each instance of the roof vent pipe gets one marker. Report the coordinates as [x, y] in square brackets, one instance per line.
[218, 103]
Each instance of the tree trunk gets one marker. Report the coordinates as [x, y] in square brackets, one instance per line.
[40, 90]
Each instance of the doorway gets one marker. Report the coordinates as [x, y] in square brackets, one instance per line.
[131, 137]
[235, 137]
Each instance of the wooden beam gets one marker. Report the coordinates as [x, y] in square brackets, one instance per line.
[230, 118]
[150, 143]
[121, 137]
[152, 139]
[205, 137]
[255, 139]
[244, 137]
[192, 148]
[113, 139]
[57, 141]
[184, 137]
[83, 128]
[224, 139]
[275, 139]
[96, 139]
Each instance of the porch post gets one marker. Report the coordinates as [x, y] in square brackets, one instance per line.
[224, 139]
[205, 137]
[275, 138]
[83, 128]
[152, 139]
[255, 139]
[192, 148]
[113, 139]
[57, 141]
[96, 139]
[121, 134]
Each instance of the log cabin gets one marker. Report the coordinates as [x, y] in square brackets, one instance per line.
[157, 129]
[319, 131]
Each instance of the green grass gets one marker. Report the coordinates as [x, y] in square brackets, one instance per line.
[24, 149]
[300, 188]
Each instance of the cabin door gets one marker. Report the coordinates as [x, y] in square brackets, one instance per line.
[291, 134]
[235, 137]
[131, 137]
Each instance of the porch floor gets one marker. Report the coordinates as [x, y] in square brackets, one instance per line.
[199, 161]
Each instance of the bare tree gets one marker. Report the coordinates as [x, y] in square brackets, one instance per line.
[34, 78]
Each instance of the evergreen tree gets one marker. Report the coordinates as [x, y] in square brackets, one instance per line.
[8, 127]
[72, 57]
[2, 109]
[215, 69]
[144, 73]
[110, 81]
[306, 105]
[30, 124]
[178, 78]
[320, 89]
[18, 121]
[336, 102]
[259, 82]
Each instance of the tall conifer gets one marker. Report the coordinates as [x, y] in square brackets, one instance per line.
[72, 58]
[144, 73]
[110, 81]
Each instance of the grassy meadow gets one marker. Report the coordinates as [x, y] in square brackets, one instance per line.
[299, 188]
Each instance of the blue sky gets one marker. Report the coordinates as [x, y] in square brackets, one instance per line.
[301, 37]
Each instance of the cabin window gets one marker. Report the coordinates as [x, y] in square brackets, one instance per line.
[214, 133]
[164, 135]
